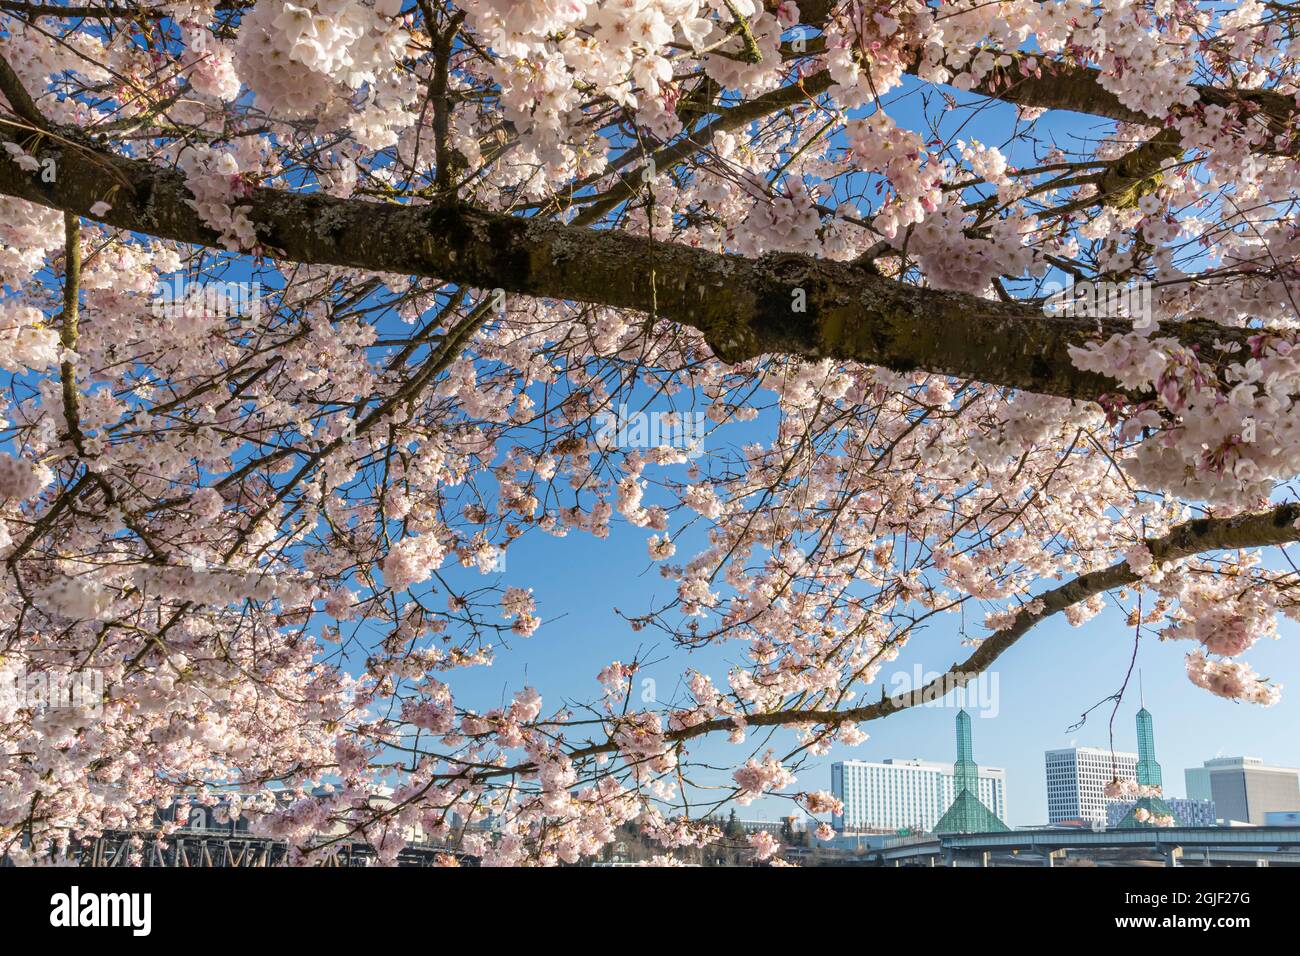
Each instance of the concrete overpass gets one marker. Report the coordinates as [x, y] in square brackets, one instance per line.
[1174, 846]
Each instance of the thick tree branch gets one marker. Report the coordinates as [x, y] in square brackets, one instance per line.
[743, 307]
[1136, 173]
[68, 330]
[1078, 89]
[102, 10]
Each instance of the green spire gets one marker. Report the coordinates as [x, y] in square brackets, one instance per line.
[967, 814]
[1148, 775]
[1148, 771]
[965, 772]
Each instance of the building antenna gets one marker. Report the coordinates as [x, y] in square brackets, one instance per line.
[1142, 700]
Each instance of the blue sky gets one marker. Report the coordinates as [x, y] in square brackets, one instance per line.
[1043, 684]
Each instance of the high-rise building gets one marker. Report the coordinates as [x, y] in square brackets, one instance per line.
[1077, 778]
[966, 813]
[895, 794]
[965, 772]
[1244, 789]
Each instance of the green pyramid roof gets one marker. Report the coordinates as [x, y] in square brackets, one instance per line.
[968, 815]
[1153, 805]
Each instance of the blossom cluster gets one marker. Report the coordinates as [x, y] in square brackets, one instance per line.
[279, 535]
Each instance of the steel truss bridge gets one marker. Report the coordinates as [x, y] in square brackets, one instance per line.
[224, 849]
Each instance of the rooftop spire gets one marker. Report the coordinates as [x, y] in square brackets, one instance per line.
[966, 814]
[965, 773]
[1153, 807]
[1148, 770]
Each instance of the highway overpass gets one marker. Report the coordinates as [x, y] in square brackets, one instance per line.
[1173, 846]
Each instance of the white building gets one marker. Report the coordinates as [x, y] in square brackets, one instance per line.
[1077, 778]
[1188, 813]
[906, 793]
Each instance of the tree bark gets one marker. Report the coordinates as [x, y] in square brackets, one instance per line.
[744, 307]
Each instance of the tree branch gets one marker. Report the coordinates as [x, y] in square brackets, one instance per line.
[1274, 526]
[1078, 89]
[744, 307]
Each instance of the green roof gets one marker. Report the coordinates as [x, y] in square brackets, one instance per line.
[1153, 805]
[968, 815]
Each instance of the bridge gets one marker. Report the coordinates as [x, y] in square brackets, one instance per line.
[1172, 846]
[226, 848]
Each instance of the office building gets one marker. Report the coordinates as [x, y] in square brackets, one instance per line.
[1077, 779]
[1244, 789]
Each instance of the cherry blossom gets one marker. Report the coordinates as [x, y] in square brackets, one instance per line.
[314, 314]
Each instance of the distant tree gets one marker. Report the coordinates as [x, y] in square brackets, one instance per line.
[733, 829]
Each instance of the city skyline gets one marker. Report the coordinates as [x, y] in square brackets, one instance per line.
[1023, 771]
[906, 795]
[1026, 712]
